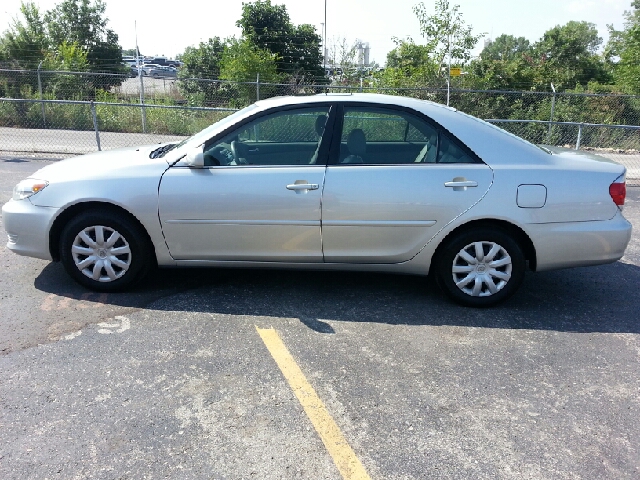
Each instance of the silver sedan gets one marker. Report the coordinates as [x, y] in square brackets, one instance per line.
[354, 182]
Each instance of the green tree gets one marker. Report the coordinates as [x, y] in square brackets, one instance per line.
[67, 58]
[409, 65]
[506, 48]
[26, 43]
[408, 54]
[23, 46]
[131, 52]
[626, 46]
[297, 48]
[199, 64]
[242, 61]
[72, 30]
[567, 55]
[448, 39]
[628, 71]
[446, 33]
[202, 61]
[504, 64]
[267, 26]
[305, 57]
[84, 23]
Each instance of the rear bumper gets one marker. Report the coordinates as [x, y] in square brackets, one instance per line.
[577, 244]
[28, 228]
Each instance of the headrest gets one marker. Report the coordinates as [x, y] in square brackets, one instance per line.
[357, 142]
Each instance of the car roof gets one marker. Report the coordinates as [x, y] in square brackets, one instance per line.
[376, 98]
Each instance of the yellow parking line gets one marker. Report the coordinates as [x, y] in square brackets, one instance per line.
[343, 455]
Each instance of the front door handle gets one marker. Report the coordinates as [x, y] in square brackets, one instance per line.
[460, 183]
[302, 186]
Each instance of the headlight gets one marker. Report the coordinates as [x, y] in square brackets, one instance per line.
[28, 187]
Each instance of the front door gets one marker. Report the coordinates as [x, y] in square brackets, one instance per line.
[258, 197]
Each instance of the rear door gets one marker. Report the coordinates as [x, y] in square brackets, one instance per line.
[393, 182]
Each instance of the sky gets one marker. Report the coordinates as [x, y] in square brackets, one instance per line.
[168, 30]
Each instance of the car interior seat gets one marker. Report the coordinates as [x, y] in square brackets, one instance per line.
[429, 151]
[356, 145]
[448, 151]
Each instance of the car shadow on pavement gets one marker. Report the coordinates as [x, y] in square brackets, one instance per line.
[594, 299]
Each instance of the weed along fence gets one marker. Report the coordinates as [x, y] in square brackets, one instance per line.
[68, 127]
[67, 113]
[76, 127]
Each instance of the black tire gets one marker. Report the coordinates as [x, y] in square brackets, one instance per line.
[117, 261]
[464, 275]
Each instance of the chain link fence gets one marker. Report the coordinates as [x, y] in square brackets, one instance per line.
[48, 113]
[620, 143]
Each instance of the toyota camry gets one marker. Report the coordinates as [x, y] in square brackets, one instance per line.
[354, 182]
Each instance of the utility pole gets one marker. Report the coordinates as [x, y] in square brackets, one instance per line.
[324, 39]
[143, 112]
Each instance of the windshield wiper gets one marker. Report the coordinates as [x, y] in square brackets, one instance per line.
[160, 151]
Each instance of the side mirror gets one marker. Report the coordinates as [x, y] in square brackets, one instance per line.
[195, 157]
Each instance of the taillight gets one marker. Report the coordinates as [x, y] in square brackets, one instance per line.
[618, 191]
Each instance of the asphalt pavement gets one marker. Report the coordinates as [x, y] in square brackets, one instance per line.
[182, 377]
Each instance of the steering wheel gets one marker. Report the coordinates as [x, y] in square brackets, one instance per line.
[218, 155]
[236, 148]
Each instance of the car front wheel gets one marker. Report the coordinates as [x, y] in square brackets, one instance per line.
[480, 268]
[104, 251]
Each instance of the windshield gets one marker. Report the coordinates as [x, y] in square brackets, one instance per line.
[220, 125]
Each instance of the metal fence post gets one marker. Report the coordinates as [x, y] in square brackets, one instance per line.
[579, 136]
[143, 112]
[257, 87]
[95, 124]
[553, 107]
[44, 120]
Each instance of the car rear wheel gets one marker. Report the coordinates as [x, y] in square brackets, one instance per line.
[481, 267]
[105, 252]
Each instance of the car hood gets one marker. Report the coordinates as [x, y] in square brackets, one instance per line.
[108, 164]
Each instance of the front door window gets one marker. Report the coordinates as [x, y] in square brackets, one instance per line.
[286, 138]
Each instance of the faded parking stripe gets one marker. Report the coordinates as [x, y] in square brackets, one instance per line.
[343, 455]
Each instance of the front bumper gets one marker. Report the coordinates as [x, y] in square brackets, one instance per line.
[28, 228]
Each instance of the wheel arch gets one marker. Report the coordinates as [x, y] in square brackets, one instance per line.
[73, 210]
[517, 233]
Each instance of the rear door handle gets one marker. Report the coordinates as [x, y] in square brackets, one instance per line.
[459, 184]
[466, 183]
